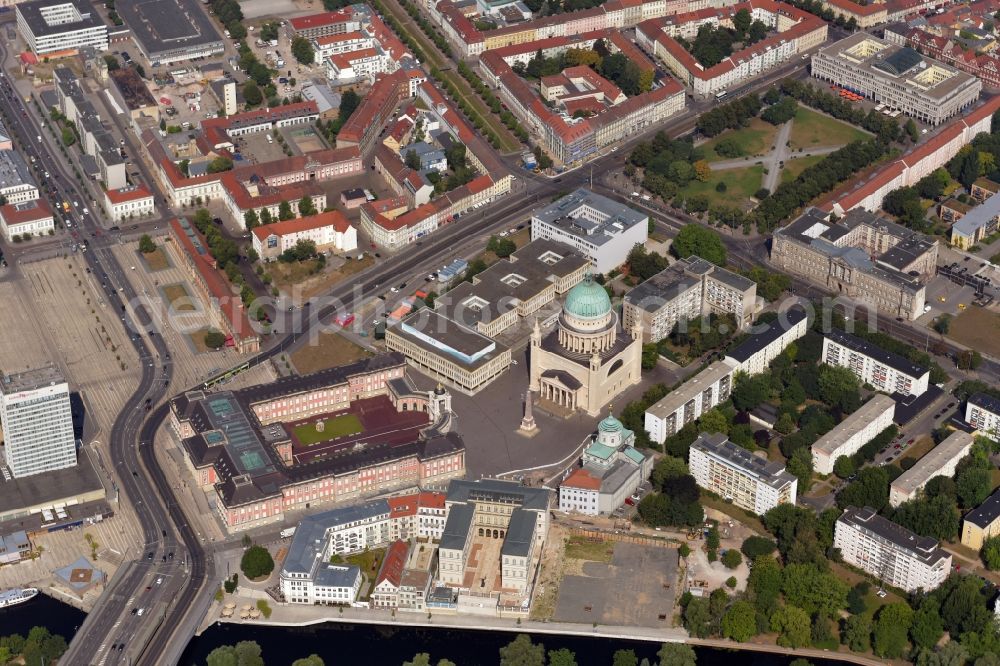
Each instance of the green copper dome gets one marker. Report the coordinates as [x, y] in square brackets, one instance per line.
[588, 300]
[610, 424]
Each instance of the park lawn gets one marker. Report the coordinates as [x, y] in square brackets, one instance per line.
[756, 139]
[337, 426]
[794, 167]
[811, 129]
[329, 351]
[740, 186]
[582, 548]
[198, 340]
[977, 328]
[179, 297]
[155, 260]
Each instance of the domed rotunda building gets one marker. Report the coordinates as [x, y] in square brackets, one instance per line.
[588, 358]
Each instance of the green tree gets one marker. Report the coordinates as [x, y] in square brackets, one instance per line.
[871, 488]
[844, 467]
[927, 627]
[755, 546]
[625, 658]
[251, 93]
[285, 211]
[522, 652]
[739, 622]
[697, 618]
[764, 585]
[891, 628]
[146, 244]
[677, 654]
[990, 553]
[943, 324]
[220, 164]
[256, 562]
[302, 50]
[501, 247]
[792, 625]
[813, 590]
[306, 206]
[856, 633]
[838, 387]
[800, 465]
[562, 657]
[695, 239]
[732, 558]
[911, 129]
[412, 160]
[250, 219]
[68, 137]
[311, 660]
[224, 655]
[214, 339]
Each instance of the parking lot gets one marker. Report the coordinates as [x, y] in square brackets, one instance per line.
[190, 100]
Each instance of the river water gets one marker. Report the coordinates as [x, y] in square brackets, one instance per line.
[373, 645]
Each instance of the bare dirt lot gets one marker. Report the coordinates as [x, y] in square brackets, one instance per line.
[635, 586]
[332, 350]
[977, 328]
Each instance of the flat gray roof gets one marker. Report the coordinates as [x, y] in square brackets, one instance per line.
[786, 321]
[49, 487]
[167, 26]
[14, 170]
[458, 343]
[30, 380]
[718, 445]
[586, 214]
[986, 513]
[955, 445]
[979, 217]
[32, 12]
[692, 387]
[923, 548]
[846, 429]
[310, 535]
[894, 361]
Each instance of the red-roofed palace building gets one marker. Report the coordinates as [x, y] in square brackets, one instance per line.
[128, 203]
[28, 218]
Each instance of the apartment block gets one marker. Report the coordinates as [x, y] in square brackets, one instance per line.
[738, 476]
[685, 290]
[891, 553]
[60, 26]
[853, 432]
[689, 401]
[886, 371]
[939, 461]
[754, 355]
[982, 412]
[37, 422]
[982, 523]
[897, 76]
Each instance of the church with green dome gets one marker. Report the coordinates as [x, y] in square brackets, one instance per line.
[588, 358]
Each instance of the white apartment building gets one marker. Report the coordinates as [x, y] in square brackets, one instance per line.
[600, 229]
[684, 290]
[754, 355]
[37, 422]
[982, 412]
[873, 365]
[358, 65]
[853, 432]
[329, 231]
[26, 219]
[347, 42]
[689, 401]
[128, 203]
[891, 553]
[939, 461]
[738, 476]
[48, 26]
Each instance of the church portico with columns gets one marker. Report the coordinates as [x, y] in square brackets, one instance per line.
[589, 358]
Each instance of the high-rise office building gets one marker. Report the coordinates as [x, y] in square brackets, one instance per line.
[37, 422]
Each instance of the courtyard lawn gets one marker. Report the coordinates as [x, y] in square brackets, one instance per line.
[811, 129]
[178, 297]
[793, 167]
[155, 260]
[755, 140]
[329, 351]
[338, 426]
[583, 548]
[740, 186]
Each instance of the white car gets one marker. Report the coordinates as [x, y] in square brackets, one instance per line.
[140, 611]
[394, 289]
[159, 580]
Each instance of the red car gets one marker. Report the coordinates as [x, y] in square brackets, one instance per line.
[909, 441]
[630, 501]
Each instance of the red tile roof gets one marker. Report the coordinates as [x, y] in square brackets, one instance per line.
[127, 194]
[29, 211]
[394, 563]
[321, 19]
[330, 218]
[849, 7]
[217, 286]
[581, 478]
